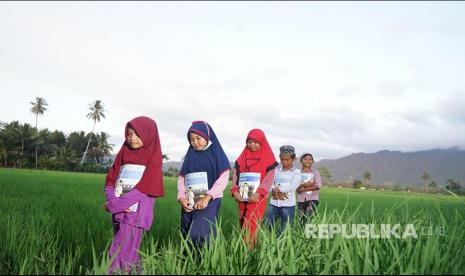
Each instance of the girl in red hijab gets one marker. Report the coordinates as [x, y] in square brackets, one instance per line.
[138, 161]
[257, 157]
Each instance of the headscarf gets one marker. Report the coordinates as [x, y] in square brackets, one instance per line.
[149, 155]
[212, 159]
[261, 161]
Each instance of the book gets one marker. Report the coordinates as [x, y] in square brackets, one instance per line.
[196, 187]
[248, 184]
[283, 181]
[305, 178]
[128, 177]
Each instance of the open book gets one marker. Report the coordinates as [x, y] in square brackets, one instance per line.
[305, 178]
[248, 184]
[128, 177]
[196, 186]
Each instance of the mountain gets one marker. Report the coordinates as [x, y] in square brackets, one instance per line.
[174, 164]
[404, 168]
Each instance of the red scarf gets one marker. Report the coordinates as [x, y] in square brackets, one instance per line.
[149, 155]
[261, 161]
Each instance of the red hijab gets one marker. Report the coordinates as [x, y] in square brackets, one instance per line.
[149, 155]
[261, 161]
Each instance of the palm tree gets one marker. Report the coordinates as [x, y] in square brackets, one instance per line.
[103, 148]
[65, 156]
[38, 108]
[367, 178]
[3, 152]
[25, 135]
[325, 175]
[426, 176]
[96, 113]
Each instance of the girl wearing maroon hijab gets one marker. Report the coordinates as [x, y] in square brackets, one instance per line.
[256, 157]
[142, 150]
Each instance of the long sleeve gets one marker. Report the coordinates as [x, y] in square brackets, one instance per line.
[119, 204]
[220, 184]
[181, 188]
[234, 186]
[295, 182]
[265, 186]
[318, 182]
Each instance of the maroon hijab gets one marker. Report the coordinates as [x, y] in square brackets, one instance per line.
[148, 155]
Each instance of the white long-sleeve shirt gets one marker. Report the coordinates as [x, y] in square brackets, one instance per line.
[287, 181]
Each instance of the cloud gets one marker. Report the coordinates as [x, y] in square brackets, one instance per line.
[302, 87]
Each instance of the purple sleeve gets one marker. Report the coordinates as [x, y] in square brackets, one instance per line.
[119, 204]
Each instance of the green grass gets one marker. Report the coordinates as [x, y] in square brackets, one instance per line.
[53, 223]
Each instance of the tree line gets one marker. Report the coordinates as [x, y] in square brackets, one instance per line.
[27, 146]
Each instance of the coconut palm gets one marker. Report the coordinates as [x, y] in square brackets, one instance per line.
[426, 177]
[3, 152]
[102, 148]
[367, 178]
[38, 108]
[96, 113]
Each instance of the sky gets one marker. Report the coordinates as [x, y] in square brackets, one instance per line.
[330, 78]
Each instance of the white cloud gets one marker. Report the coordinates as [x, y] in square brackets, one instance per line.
[328, 78]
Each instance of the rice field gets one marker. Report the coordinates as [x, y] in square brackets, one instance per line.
[53, 223]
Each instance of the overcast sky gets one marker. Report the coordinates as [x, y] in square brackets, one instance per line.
[331, 78]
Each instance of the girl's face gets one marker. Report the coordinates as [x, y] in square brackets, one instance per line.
[252, 145]
[286, 161]
[307, 161]
[197, 141]
[134, 141]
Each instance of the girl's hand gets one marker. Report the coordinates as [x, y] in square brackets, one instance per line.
[237, 197]
[203, 202]
[127, 211]
[254, 198]
[185, 205]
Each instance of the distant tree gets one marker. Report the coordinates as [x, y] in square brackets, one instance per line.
[426, 177]
[38, 108]
[25, 135]
[367, 178]
[453, 186]
[96, 113]
[357, 184]
[66, 157]
[102, 148]
[434, 186]
[3, 152]
[77, 140]
[325, 175]
[165, 157]
[172, 172]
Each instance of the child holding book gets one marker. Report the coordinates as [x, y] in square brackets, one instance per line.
[257, 157]
[141, 149]
[309, 190]
[287, 179]
[204, 155]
